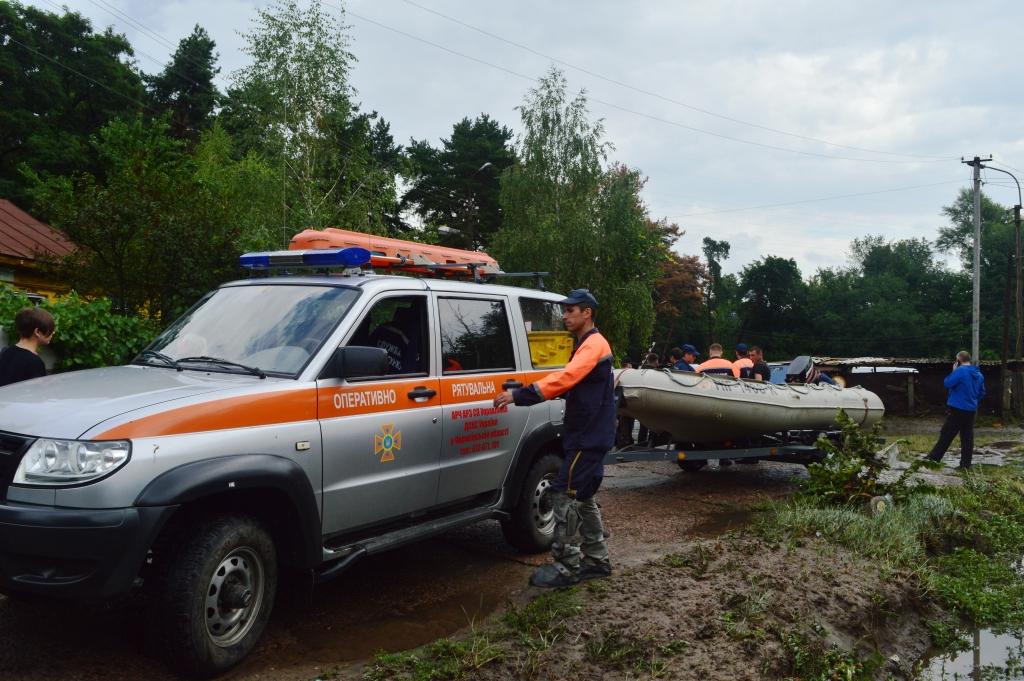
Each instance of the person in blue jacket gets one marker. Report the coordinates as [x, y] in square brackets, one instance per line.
[966, 387]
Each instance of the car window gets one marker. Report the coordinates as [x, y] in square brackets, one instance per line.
[475, 335]
[398, 326]
[292, 323]
[550, 343]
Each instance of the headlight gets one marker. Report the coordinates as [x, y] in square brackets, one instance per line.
[68, 462]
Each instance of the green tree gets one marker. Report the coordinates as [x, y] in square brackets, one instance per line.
[997, 241]
[156, 231]
[185, 87]
[896, 299]
[456, 186]
[566, 214]
[716, 294]
[60, 82]
[773, 301]
[293, 105]
[679, 308]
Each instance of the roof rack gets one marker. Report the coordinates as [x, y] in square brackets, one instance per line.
[355, 251]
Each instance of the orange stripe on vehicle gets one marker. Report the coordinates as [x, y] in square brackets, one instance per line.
[234, 412]
[372, 398]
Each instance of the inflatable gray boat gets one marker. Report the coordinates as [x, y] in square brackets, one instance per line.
[697, 408]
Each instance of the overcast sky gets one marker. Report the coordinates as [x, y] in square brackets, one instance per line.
[754, 122]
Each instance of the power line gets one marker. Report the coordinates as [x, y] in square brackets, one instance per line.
[110, 9]
[823, 198]
[156, 60]
[662, 97]
[627, 110]
[82, 75]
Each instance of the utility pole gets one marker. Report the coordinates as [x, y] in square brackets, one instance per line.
[976, 307]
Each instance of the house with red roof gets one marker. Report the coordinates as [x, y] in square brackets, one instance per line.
[27, 247]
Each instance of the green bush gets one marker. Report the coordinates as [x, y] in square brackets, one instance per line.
[89, 333]
[852, 468]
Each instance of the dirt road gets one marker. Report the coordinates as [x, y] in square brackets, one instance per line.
[402, 599]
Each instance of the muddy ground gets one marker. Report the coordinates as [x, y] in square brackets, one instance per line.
[721, 603]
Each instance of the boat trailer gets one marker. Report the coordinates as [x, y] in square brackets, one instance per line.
[795, 446]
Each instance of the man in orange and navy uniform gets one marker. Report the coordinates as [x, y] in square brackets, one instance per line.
[716, 364]
[743, 362]
[588, 386]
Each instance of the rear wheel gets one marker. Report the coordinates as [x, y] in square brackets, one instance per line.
[532, 525]
[215, 595]
[692, 466]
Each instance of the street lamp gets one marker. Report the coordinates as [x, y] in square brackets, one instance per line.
[1018, 387]
[1016, 222]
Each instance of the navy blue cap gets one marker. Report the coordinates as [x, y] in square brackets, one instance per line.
[579, 296]
[741, 347]
[689, 348]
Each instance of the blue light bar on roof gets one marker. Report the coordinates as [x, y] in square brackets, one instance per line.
[325, 257]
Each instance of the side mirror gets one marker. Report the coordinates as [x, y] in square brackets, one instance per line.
[356, 361]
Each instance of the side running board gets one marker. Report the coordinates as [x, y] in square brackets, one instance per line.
[343, 557]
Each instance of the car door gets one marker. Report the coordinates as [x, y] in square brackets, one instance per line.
[382, 435]
[478, 360]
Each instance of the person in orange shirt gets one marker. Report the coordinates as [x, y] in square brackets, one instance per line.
[587, 382]
[743, 362]
[716, 364]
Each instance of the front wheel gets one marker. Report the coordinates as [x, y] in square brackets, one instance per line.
[531, 527]
[215, 595]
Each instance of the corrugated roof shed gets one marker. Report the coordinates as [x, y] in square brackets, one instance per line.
[24, 237]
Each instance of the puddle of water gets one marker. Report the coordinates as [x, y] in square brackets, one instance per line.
[393, 603]
[720, 522]
[991, 656]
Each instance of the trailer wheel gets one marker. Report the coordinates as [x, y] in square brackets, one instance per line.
[692, 466]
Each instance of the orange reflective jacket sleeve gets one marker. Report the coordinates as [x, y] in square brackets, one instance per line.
[594, 349]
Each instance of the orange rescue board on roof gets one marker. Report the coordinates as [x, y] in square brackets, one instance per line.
[387, 252]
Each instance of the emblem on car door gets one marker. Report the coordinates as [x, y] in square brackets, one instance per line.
[387, 442]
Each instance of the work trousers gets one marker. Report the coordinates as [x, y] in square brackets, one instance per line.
[579, 532]
[959, 422]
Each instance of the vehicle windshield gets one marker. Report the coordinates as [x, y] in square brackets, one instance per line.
[273, 328]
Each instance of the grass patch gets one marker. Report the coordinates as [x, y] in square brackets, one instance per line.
[921, 444]
[536, 625]
[644, 656]
[810, 658]
[696, 559]
[899, 537]
[442, 660]
[541, 622]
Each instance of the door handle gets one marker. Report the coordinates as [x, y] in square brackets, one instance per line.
[511, 385]
[421, 392]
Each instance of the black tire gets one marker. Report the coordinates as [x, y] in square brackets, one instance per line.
[531, 528]
[214, 596]
[692, 466]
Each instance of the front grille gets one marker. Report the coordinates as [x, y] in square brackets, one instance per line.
[12, 447]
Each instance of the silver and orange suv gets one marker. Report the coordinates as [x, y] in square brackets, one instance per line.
[285, 425]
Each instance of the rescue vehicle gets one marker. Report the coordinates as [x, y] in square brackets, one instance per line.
[283, 428]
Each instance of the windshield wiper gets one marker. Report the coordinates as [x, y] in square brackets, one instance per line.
[169, 361]
[206, 359]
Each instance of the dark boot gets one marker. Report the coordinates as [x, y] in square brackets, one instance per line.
[553, 576]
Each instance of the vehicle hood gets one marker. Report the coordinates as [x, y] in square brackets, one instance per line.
[69, 404]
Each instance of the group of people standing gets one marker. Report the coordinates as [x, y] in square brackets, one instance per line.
[749, 362]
